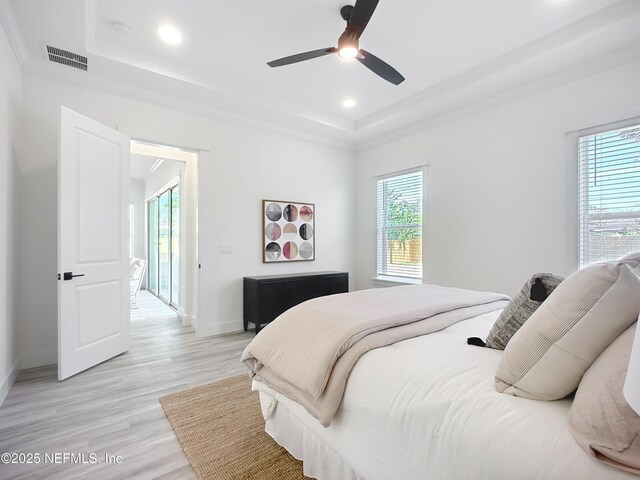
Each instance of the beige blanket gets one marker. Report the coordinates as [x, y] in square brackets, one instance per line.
[308, 352]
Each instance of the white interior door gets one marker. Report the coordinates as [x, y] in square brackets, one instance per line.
[93, 258]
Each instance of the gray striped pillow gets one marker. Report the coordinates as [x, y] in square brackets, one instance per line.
[518, 310]
[546, 358]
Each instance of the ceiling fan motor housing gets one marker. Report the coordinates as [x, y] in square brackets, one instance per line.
[346, 12]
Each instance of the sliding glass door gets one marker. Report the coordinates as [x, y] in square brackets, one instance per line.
[164, 245]
[164, 253]
[152, 209]
[175, 245]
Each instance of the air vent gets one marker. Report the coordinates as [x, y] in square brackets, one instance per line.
[67, 58]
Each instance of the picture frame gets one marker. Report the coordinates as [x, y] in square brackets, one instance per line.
[288, 231]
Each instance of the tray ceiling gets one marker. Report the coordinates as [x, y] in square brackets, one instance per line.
[454, 55]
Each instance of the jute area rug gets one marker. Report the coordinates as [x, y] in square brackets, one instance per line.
[221, 430]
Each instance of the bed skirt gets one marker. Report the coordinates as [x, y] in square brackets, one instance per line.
[319, 460]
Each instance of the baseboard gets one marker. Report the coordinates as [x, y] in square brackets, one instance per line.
[38, 359]
[233, 326]
[187, 320]
[8, 381]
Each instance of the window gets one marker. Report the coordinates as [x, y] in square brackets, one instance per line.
[399, 248]
[609, 194]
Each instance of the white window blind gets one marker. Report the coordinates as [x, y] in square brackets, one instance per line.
[399, 243]
[609, 194]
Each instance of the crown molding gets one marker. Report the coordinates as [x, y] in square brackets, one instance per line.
[8, 21]
[357, 145]
[505, 96]
[482, 87]
[384, 118]
[83, 79]
[218, 85]
[577, 31]
[226, 89]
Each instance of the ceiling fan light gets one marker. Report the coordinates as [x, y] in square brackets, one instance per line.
[348, 52]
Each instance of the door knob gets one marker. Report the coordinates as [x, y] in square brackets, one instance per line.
[70, 275]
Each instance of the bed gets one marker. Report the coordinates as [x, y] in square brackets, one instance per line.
[431, 410]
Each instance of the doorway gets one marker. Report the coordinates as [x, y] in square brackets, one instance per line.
[164, 199]
[99, 268]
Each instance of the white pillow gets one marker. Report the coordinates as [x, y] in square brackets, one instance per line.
[600, 419]
[548, 355]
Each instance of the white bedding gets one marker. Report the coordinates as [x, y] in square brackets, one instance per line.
[431, 411]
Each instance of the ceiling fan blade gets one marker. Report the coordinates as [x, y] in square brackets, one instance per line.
[301, 57]
[380, 67]
[362, 11]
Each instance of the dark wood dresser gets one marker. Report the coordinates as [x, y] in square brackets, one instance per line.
[265, 297]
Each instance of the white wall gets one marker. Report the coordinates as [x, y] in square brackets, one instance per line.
[240, 167]
[501, 188]
[500, 195]
[9, 102]
[136, 197]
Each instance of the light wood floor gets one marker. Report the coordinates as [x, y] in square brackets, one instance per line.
[113, 408]
[149, 306]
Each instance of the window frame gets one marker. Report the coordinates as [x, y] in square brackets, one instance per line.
[581, 174]
[167, 188]
[381, 237]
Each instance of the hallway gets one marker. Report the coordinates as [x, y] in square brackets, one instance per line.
[149, 306]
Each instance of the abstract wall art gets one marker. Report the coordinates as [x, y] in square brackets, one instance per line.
[288, 231]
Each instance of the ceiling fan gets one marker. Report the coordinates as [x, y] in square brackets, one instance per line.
[357, 16]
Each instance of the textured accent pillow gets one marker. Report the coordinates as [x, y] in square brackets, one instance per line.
[520, 308]
[546, 358]
[633, 261]
[600, 419]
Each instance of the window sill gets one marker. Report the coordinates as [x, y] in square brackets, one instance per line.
[388, 281]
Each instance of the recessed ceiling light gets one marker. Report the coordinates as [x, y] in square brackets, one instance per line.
[348, 103]
[170, 34]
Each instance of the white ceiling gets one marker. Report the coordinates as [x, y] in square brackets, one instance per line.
[455, 55]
